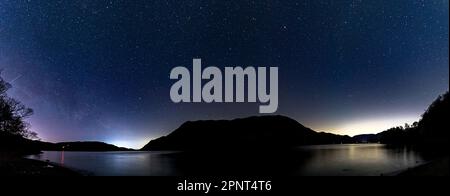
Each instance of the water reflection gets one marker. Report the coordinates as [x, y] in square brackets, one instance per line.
[358, 159]
[342, 159]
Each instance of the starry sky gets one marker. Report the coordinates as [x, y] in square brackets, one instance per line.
[99, 70]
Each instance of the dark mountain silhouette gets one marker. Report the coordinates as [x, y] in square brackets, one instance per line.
[246, 133]
[19, 145]
[87, 146]
[282, 132]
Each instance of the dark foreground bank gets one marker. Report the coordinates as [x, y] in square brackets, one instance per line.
[439, 167]
[18, 166]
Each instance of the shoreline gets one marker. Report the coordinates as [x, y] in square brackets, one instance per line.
[19, 166]
[438, 167]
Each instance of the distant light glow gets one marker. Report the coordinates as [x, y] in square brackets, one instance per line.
[374, 125]
[132, 143]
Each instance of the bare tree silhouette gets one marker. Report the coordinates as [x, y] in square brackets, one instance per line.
[13, 113]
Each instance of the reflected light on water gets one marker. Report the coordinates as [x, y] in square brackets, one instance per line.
[315, 160]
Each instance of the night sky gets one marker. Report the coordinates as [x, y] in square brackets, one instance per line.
[99, 70]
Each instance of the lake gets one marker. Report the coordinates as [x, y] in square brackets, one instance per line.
[314, 160]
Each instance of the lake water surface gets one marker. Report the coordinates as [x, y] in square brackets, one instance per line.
[316, 160]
